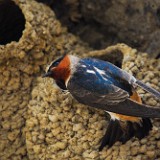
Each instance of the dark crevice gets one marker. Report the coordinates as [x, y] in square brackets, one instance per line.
[115, 57]
[158, 15]
[158, 56]
[12, 22]
[93, 27]
[89, 30]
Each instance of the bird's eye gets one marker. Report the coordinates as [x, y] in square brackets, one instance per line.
[55, 64]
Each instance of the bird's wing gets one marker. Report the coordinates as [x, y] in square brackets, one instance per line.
[119, 75]
[106, 92]
[88, 81]
[125, 107]
[114, 97]
[109, 71]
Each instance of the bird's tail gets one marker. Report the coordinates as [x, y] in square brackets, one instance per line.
[148, 89]
[122, 128]
[119, 130]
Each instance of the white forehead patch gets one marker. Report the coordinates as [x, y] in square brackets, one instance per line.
[47, 68]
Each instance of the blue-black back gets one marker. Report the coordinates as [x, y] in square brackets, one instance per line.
[101, 76]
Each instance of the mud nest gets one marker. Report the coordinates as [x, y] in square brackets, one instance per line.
[21, 62]
[64, 129]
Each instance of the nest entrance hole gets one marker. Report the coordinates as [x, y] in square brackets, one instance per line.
[115, 57]
[12, 22]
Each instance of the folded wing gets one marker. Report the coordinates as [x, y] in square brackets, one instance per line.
[98, 86]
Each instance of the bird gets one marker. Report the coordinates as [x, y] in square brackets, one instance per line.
[102, 85]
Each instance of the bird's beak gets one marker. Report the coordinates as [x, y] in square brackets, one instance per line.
[48, 74]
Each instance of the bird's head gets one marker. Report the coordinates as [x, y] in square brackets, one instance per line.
[60, 71]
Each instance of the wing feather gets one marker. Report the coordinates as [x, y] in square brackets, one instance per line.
[106, 90]
[91, 83]
[125, 107]
[111, 98]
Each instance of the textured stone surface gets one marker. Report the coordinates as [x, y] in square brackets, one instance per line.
[135, 23]
[103, 23]
[70, 130]
[20, 63]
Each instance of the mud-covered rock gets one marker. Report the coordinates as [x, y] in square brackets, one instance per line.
[22, 59]
[74, 131]
[104, 23]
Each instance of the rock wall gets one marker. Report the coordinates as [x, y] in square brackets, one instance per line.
[58, 127]
[104, 23]
[22, 61]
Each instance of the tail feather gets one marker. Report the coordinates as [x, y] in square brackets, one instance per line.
[148, 89]
[142, 129]
[113, 134]
[122, 127]
[117, 131]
